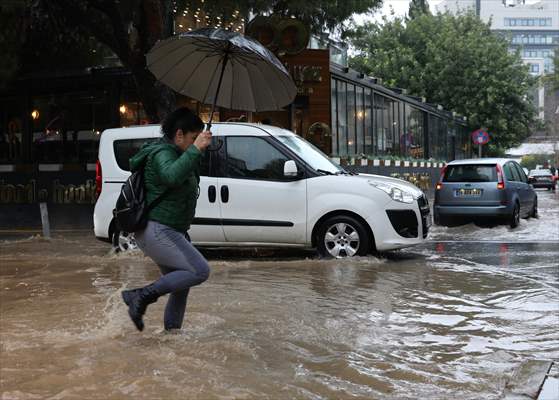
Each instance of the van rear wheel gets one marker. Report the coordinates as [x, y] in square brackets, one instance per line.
[124, 241]
[343, 237]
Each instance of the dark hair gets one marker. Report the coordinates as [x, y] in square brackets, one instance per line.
[182, 118]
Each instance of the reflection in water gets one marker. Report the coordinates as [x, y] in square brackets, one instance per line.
[446, 321]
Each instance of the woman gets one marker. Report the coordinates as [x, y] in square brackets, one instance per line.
[171, 167]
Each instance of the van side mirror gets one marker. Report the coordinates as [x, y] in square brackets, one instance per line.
[290, 169]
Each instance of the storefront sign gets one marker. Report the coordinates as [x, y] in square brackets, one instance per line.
[303, 75]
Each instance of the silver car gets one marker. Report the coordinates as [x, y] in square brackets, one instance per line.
[482, 188]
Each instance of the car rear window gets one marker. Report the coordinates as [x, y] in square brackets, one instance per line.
[470, 173]
[540, 172]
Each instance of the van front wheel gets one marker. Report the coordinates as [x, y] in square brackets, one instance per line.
[342, 237]
[124, 241]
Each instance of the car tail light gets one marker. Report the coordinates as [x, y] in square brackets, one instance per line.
[440, 182]
[98, 178]
[500, 180]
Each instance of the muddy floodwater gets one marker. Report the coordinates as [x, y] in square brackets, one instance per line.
[446, 320]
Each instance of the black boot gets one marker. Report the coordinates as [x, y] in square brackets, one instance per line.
[137, 301]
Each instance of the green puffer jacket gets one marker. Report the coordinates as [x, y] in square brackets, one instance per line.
[168, 167]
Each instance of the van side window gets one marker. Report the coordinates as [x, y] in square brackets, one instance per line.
[126, 148]
[254, 158]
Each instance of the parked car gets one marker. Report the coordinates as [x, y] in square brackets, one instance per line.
[542, 178]
[266, 186]
[481, 188]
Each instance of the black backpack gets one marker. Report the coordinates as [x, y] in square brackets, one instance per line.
[131, 210]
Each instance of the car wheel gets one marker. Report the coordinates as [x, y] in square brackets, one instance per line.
[534, 213]
[343, 237]
[515, 216]
[124, 241]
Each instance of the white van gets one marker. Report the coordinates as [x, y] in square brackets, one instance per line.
[263, 186]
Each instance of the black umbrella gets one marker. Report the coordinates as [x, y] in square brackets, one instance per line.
[222, 68]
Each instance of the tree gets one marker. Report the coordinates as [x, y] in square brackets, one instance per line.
[13, 24]
[417, 8]
[130, 28]
[455, 61]
[553, 77]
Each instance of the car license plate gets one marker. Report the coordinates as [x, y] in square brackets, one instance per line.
[468, 192]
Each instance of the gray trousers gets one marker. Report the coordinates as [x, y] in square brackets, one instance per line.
[181, 264]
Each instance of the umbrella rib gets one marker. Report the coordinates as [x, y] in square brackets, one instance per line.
[177, 63]
[212, 78]
[282, 82]
[165, 54]
[194, 70]
[251, 88]
[269, 89]
[165, 43]
[232, 82]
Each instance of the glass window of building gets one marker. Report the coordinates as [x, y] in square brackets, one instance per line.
[360, 119]
[342, 118]
[71, 126]
[369, 145]
[388, 125]
[413, 139]
[334, 115]
[401, 128]
[11, 130]
[351, 117]
[378, 118]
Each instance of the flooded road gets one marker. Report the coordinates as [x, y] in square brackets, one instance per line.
[445, 320]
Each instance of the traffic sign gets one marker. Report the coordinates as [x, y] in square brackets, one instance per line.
[480, 136]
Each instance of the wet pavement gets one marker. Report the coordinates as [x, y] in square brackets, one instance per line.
[450, 319]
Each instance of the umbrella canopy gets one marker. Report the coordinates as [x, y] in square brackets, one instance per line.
[223, 68]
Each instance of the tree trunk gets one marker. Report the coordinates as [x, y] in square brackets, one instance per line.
[156, 24]
[157, 99]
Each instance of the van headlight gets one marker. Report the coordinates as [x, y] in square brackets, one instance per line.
[394, 192]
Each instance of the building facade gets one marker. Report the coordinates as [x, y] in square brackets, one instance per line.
[51, 125]
[533, 29]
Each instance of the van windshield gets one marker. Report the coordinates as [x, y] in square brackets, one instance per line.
[471, 173]
[312, 156]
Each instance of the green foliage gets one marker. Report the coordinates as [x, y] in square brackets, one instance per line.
[533, 160]
[417, 8]
[455, 61]
[12, 29]
[319, 14]
[48, 47]
[130, 28]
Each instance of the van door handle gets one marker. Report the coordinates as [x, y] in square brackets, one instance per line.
[224, 194]
[211, 193]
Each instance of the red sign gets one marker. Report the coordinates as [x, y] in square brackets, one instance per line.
[480, 136]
